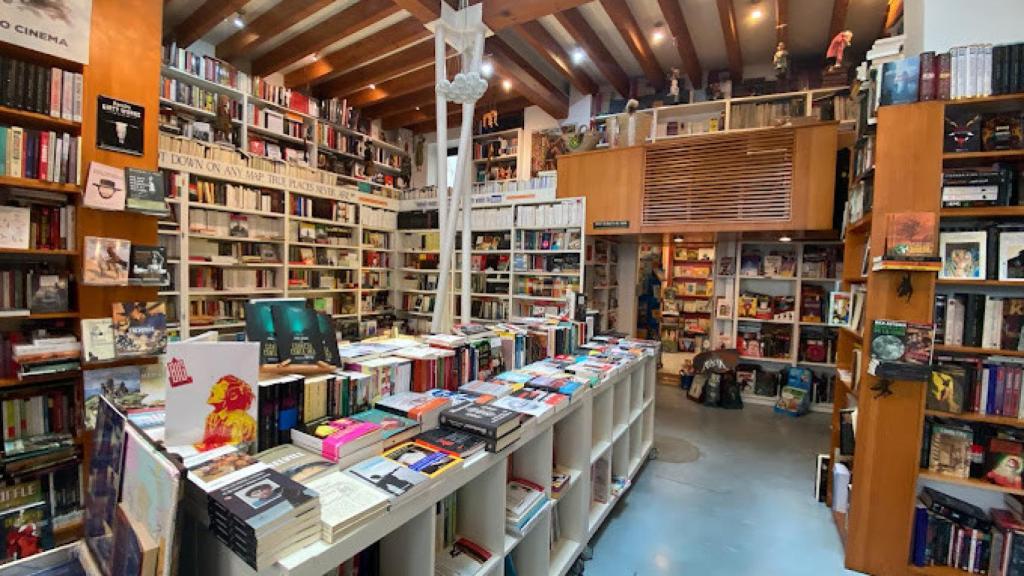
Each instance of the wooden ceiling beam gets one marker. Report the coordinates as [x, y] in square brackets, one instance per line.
[350, 20]
[400, 86]
[526, 79]
[838, 24]
[274, 21]
[420, 98]
[403, 33]
[396, 64]
[624, 21]
[782, 22]
[502, 14]
[727, 16]
[683, 41]
[205, 18]
[550, 50]
[422, 10]
[455, 119]
[577, 27]
[495, 98]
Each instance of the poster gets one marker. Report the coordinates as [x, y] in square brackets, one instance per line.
[57, 27]
[119, 126]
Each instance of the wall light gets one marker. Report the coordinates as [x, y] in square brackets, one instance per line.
[678, 239]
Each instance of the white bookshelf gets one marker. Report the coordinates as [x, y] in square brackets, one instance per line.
[602, 278]
[512, 155]
[574, 438]
[731, 286]
[366, 296]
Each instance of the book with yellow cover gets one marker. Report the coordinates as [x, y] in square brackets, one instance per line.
[422, 459]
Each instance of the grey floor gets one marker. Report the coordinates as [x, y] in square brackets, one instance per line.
[741, 503]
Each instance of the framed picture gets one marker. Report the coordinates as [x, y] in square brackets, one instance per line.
[723, 307]
[1011, 256]
[839, 309]
[963, 254]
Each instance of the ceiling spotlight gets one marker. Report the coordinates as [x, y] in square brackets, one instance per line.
[417, 108]
[658, 35]
[237, 20]
[316, 56]
[506, 84]
[487, 69]
[756, 14]
[785, 239]
[678, 239]
[372, 86]
[578, 56]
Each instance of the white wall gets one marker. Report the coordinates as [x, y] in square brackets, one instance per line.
[940, 24]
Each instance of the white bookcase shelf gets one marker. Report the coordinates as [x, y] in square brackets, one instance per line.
[574, 439]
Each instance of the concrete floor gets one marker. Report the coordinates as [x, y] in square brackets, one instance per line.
[744, 506]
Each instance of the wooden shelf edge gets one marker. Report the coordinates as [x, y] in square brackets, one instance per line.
[839, 518]
[35, 119]
[1003, 283]
[33, 184]
[983, 212]
[968, 482]
[977, 350]
[972, 417]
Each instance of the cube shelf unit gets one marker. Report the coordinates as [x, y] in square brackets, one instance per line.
[499, 152]
[609, 428]
[501, 279]
[312, 140]
[689, 280]
[602, 281]
[730, 113]
[727, 328]
[351, 278]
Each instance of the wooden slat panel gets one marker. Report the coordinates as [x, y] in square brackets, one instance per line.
[276, 20]
[721, 178]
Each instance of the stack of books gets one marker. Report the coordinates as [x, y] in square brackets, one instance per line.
[345, 503]
[497, 427]
[345, 440]
[524, 501]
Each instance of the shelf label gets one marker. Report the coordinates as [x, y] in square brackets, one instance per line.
[605, 224]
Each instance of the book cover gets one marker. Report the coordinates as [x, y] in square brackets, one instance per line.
[148, 265]
[27, 531]
[523, 406]
[950, 451]
[136, 552]
[1011, 256]
[210, 402]
[151, 491]
[484, 419]
[839, 309]
[294, 462]
[388, 475]
[105, 470]
[1004, 462]
[98, 339]
[962, 130]
[963, 255]
[345, 501]
[140, 328]
[259, 325]
[15, 227]
[105, 188]
[422, 459]
[900, 81]
[451, 441]
[263, 500]
[105, 261]
[330, 339]
[392, 425]
[144, 191]
[121, 386]
[298, 334]
[910, 235]
[49, 293]
[947, 388]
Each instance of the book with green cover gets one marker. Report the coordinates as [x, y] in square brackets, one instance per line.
[259, 325]
[330, 339]
[298, 334]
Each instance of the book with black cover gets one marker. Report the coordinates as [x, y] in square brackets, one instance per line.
[451, 441]
[49, 293]
[144, 191]
[259, 325]
[955, 509]
[148, 266]
[483, 419]
[330, 339]
[298, 334]
[263, 501]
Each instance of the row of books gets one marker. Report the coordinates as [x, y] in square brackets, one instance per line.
[327, 235]
[205, 67]
[990, 386]
[233, 280]
[39, 420]
[205, 312]
[979, 320]
[197, 97]
[546, 286]
[973, 450]
[259, 87]
[335, 140]
[226, 225]
[25, 290]
[230, 195]
[334, 210]
[378, 218]
[495, 147]
[313, 255]
[996, 185]
[427, 241]
[761, 114]
[951, 532]
[41, 89]
[323, 280]
[758, 340]
[566, 213]
[544, 240]
[286, 124]
[49, 227]
[40, 154]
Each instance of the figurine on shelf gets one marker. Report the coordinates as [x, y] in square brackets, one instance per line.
[222, 130]
[369, 167]
[673, 85]
[489, 121]
[834, 56]
[632, 128]
[781, 61]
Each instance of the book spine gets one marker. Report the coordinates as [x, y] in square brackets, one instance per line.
[926, 79]
[943, 73]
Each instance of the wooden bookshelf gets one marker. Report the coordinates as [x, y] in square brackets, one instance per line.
[862, 225]
[31, 184]
[986, 156]
[977, 350]
[972, 417]
[36, 120]
[983, 212]
[937, 571]
[970, 482]
[991, 283]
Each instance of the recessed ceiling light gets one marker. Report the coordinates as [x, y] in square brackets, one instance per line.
[578, 56]
[417, 108]
[756, 14]
[372, 86]
[237, 21]
[506, 84]
[785, 239]
[658, 36]
[487, 69]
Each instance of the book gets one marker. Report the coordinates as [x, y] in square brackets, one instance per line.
[144, 191]
[423, 459]
[395, 429]
[121, 386]
[329, 337]
[140, 328]
[339, 440]
[259, 325]
[421, 407]
[209, 402]
[345, 503]
[136, 551]
[24, 517]
[1011, 256]
[388, 475]
[955, 509]
[950, 450]
[452, 441]
[899, 81]
[910, 235]
[105, 188]
[947, 388]
[1004, 461]
[15, 222]
[98, 339]
[483, 419]
[105, 261]
[839, 309]
[525, 406]
[963, 255]
[298, 334]
[901, 350]
[148, 265]
[296, 463]
[49, 293]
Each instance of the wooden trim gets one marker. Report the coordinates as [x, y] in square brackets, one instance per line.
[370, 48]
[502, 14]
[422, 10]
[526, 79]
[838, 22]
[345, 23]
[727, 17]
[420, 98]
[684, 42]
[282, 16]
[203, 19]
[396, 64]
[624, 21]
[550, 50]
[577, 27]
[782, 22]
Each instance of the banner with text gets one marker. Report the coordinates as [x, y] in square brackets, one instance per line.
[57, 27]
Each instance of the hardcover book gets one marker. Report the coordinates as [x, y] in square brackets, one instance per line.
[140, 328]
[451, 441]
[259, 325]
[910, 235]
[483, 419]
[839, 309]
[388, 475]
[947, 388]
[900, 81]
[105, 261]
[49, 293]
[121, 386]
[98, 339]
[105, 188]
[1004, 462]
[210, 402]
[950, 451]
[1011, 256]
[149, 266]
[330, 339]
[963, 255]
[298, 334]
[145, 191]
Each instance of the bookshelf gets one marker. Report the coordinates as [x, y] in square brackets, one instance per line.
[687, 297]
[602, 281]
[809, 273]
[331, 244]
[610, 426]
[498, 156]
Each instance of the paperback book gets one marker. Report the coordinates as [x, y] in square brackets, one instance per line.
[148, 266]
[140, 328]
[98, 339]
[390, 476]
[297, 331]
[145, 191]
[901, 350]
[105, 261]
[105, 188]
[423, 459]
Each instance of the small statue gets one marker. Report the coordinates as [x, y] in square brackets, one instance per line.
[222, 131]
[781, 61]
[834, 56]
[673, 86]
[489, 120]
[714, 89]
[370, 167]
